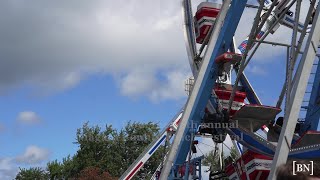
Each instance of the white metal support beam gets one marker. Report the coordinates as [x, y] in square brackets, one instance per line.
[191, 101]
[220, 41]
[298, 90]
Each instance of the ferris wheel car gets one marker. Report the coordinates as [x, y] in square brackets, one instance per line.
[256, 165]
[204, 19]
[251, 117]
[224, 93]
[233, 58]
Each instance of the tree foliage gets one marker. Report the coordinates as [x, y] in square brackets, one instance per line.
[233, 153]
[31, 174]
[212, 159]
[103, 153]
[94, 173]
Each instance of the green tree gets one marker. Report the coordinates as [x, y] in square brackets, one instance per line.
[107, 152]
[32, 174]
[55, 170]
[212, 159]
[114, 151]
[233, 153]
[70, 167]
[139, 136]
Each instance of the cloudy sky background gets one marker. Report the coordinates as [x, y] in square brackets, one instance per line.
[67, 62]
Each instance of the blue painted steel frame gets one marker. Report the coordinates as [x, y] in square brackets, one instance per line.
[250, 95]
[312, 121]
[222, 45]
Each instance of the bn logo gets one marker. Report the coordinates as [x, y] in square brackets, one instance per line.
[299, 167]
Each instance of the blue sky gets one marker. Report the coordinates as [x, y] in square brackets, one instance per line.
[64, 63]
[96, 100]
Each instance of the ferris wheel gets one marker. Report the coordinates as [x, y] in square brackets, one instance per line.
[219, 106]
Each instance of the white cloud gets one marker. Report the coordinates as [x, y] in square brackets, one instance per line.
[7, 169]
[172, 87]
[111, 37]
[164, 85]
[87, 37]
[28, 117]
[256, 70]
[137, 82]
[33, 155]
[5, 163]
[205, 172]
[168, 23]
[206, 145]
[63, 82]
